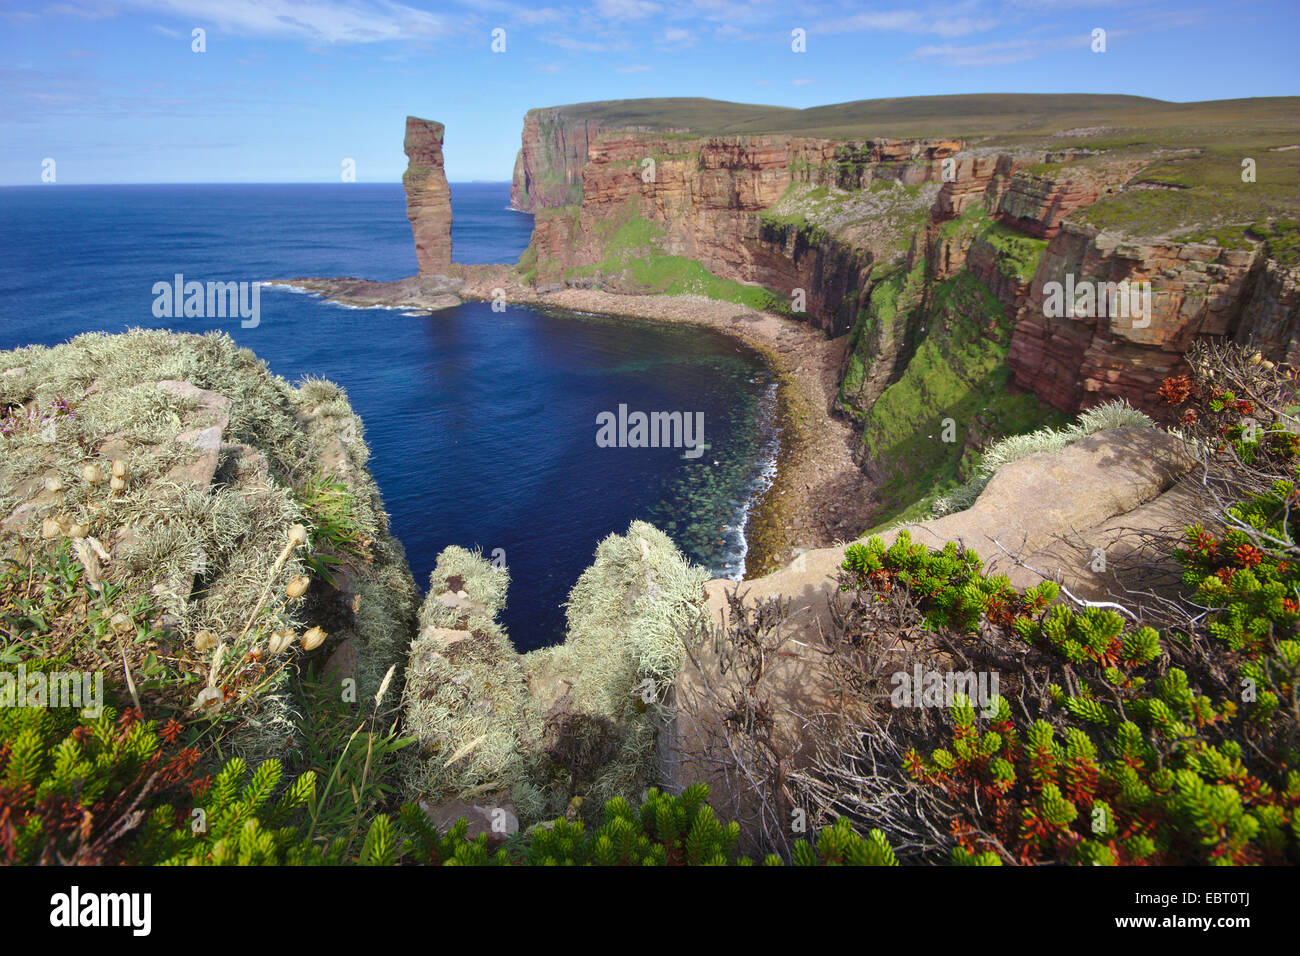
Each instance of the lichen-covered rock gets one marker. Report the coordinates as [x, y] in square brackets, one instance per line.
[579, 719]
[187, 462]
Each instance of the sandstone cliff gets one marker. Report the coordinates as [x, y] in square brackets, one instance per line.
[648, 202]
[548, 168]
[883, 237]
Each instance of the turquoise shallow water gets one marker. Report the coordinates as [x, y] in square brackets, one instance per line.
[482, 425]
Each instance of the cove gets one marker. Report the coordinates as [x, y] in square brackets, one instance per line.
[482, 431]
[481, 425]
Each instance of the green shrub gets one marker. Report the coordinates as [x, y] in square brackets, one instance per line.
[1134, 762]
[119, 790]
[664, 830]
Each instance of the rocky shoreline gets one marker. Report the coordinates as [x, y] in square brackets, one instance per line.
[819, 496]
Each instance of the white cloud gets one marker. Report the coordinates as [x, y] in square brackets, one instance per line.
[574, 42]
[677, 38]
[626, 9]
[1006, 51]
[329, 21]
[86, 11]
[633, 68]
[987, 54]
[913, 21]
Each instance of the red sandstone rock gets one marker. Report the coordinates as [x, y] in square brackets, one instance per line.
[1037, 204]
[1196, 290]
[428, 198]
[706, 190]
[548, 168]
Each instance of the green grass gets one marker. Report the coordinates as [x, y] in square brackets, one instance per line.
[1281, 240]
[1226, 237]
[1009, 117]
[1202, 144]
[1018, 254]
[1210, 197]
[958, 371]
[634, 262]
[881, 323]
[1046, 170]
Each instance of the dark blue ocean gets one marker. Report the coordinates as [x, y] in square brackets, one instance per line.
[481, 424]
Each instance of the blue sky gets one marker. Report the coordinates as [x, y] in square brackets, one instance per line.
[287, 89]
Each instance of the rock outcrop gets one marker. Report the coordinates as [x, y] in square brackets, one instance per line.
[428, 198]
[1037, 204]
[548, 167]
[1196, 290]
[1102, 492]
[428, 207]
[427, 293]
[1270, 320]
[516, 737]
[701, 197]
[213, 460]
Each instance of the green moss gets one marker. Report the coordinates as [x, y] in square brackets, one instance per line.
[881, 324]
[1281, 240]
[1018, 254]
[527, 264]
[1226, 237]
[636, 235]
[959, 371]
[1204, 191]
[1046, 170]
[634, 262]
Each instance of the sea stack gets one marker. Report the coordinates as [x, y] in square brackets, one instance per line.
[428, 200]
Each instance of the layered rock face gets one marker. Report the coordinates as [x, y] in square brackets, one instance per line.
[703, 195]
[1270, 319]
[709, 199]
[428, 198]
[548, 167]
[1196, 290]
[1036, 205]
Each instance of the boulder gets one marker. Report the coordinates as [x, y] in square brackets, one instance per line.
[495, 817]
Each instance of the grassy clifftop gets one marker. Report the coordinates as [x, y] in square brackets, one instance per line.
[1009, 116]
[1187, 156]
